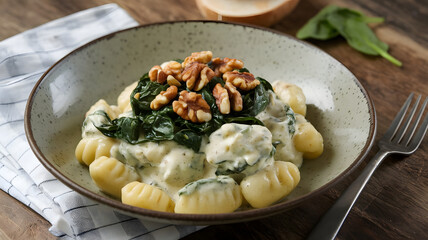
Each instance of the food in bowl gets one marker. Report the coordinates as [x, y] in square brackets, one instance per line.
[201, 135]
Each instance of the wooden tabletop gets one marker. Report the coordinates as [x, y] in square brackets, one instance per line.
[394, 204]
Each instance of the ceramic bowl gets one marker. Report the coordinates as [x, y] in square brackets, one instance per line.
[338, 105]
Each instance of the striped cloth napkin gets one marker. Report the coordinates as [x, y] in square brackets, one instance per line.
[23, 59]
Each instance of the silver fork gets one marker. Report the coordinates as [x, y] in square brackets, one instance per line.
[399, 138]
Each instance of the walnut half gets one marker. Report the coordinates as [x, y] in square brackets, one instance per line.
[164, 97]
[221, 99]
[157, 75]
[242, 80]
[200, 57]
[234, 96]
[191, 106]
[221, 66]
[197, 75]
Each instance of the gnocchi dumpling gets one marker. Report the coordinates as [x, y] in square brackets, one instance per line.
[110, 175]
[292, 95]
[143, 195]
[308, 140]
[92, 148]
[112, 111]
[123, 101]
[209, 195]
[270, 184]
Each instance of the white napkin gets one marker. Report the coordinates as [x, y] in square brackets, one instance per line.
[23, 59]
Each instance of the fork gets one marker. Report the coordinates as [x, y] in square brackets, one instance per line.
[400, 139]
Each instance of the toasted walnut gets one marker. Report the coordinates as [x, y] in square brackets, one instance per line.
[191, 106]
[164, 97]
[235, 97]
[157, 75]
[197, 75]
[221, 66]
[172, 81]
[221, 99]
[244, 81]
[173, 69]
[200, 57]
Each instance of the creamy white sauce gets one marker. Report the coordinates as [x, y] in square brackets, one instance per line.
[88, 127]
[239, 148]
[275, 119]
[165, 164]
[212, 184]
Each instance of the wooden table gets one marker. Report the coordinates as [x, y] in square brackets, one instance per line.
[394, 205]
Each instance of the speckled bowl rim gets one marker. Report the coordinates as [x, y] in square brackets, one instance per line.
[196, 219]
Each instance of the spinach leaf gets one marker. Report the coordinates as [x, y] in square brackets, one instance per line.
[123, 128]
[188, 138]
[350, 24]
[157, 127]
[243, 70]
[244, 120]
[318, 27]
[355, 31]
[146, 91]
[291, 120]
[368, 40]
[257, 100]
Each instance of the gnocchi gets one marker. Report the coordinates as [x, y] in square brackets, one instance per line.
[308, 140]
[142, 195]
[110, 175]
[273, 183]
[92, 148]
[158, 160]
[292, 95]
[211, 195]
[123, 101]
[112, 111]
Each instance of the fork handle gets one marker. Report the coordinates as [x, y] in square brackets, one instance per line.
[330, 223]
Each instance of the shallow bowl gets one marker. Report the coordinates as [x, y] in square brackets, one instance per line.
[338, 105]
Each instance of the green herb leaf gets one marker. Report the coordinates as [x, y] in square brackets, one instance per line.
[318, 27]
[350, 24]
[257, 100]
[147, 91]
[188, 138]
[124, 128]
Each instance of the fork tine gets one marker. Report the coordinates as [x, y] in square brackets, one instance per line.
[419, 136]
[400, 134]
[390, 133]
